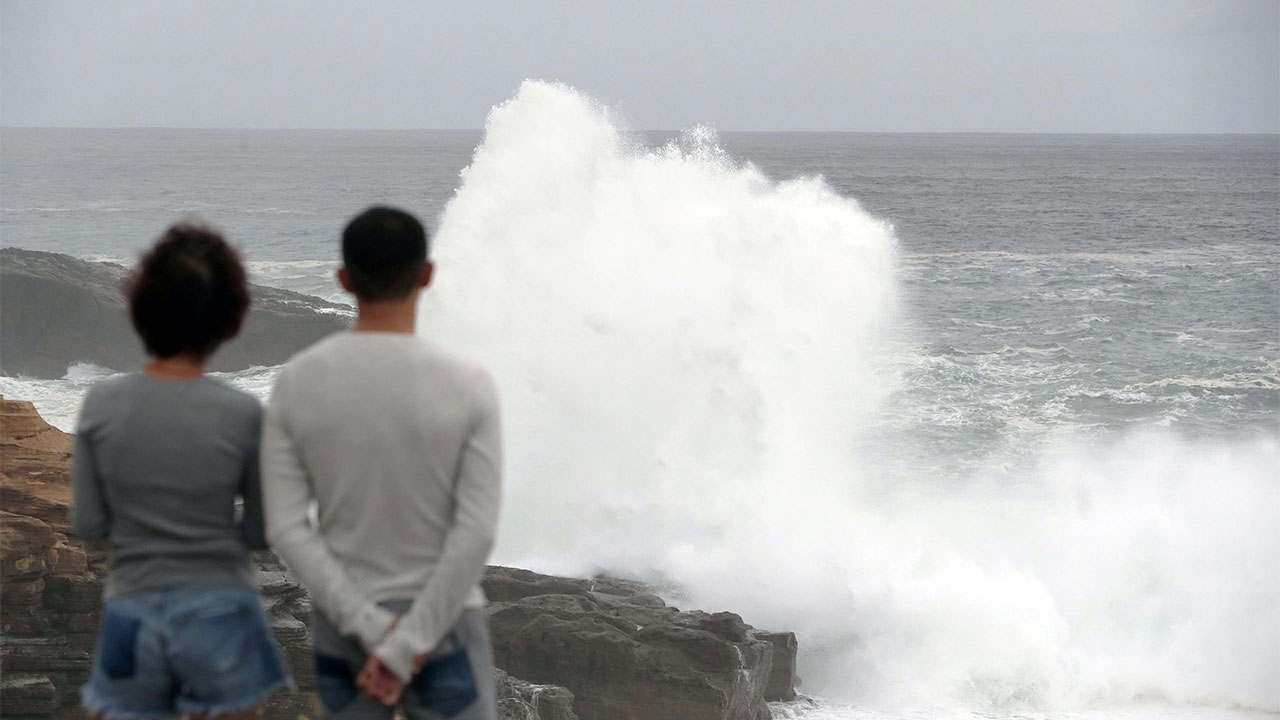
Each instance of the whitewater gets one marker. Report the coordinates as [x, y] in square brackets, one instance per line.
[732, 385]
[693, 351]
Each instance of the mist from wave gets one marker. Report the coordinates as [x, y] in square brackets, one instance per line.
[695, 359]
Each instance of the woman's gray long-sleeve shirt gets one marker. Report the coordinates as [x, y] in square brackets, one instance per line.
[158, 466]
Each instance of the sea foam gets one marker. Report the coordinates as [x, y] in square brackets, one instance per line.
[688, 354]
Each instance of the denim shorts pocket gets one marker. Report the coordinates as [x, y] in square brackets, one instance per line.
[446, 685]
[118, 649]
[335, 683]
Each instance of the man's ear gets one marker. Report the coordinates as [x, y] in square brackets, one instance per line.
[344, 279]
[427, 270]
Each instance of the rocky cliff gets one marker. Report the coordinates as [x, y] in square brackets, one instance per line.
[48, 583]
[56, 310]
[566, 648]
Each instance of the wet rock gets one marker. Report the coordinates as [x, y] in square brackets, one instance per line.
[625, 654]
[57, 310]
[520, 700]
[782, 678]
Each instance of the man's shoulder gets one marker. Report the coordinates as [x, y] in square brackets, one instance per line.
[325, 351]
[455, 362]
[464, 373]
[317, 349]
[367, 352]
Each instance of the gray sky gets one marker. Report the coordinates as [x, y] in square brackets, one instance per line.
[861, 65]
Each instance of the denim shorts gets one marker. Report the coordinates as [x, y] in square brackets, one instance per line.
[455, 684]
[183, 651]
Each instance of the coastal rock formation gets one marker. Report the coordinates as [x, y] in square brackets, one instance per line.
[49, 585]
[57, 310]
[520, 700]
[626, 655]
[566, 649]
[782, 678]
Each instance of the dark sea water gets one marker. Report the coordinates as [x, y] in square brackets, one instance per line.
[991, 421]
[1091, 281]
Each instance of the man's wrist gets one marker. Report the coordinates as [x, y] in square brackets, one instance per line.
[371, 625]
[397, 655]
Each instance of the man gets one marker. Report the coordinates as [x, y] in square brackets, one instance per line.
[399, 447]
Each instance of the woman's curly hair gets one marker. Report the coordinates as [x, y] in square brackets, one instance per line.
[189, 292]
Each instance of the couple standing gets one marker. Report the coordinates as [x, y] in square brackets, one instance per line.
[395, 443]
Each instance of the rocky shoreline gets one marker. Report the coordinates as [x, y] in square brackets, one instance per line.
[565, 648]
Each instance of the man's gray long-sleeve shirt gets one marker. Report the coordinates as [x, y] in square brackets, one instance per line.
[399, 446]
[157, 468]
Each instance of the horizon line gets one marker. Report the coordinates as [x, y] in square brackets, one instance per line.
[649, 130]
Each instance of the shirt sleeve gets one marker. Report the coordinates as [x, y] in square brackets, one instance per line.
[287, 497]
[252, 524]
[478, 490]
[90, 514]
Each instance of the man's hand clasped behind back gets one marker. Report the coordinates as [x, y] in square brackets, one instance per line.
[378, 682]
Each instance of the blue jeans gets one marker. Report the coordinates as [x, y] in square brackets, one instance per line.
[456, 683]
[183, 651]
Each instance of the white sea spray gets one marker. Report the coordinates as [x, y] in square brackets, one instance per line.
[688, 352]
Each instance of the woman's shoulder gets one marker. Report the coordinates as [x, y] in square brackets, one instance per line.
[112, 388]
[109, 398]
[233, 399]
[231, 409]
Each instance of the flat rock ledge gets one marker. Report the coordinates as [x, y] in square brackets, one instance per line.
[565, 648]
[57, 310]
[626, 655]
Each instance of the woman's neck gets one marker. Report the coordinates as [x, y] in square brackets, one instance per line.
[184, 366]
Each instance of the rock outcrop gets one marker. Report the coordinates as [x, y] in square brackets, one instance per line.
[626, 655]
[566, 649]
[49, 588]
[57, 310]
[46, 645]
[520, 700]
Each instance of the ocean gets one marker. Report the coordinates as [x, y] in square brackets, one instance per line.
[992, 422]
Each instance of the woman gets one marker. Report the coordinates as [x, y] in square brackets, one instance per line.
[160, 458]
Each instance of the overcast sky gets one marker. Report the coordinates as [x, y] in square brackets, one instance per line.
[860, 65]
